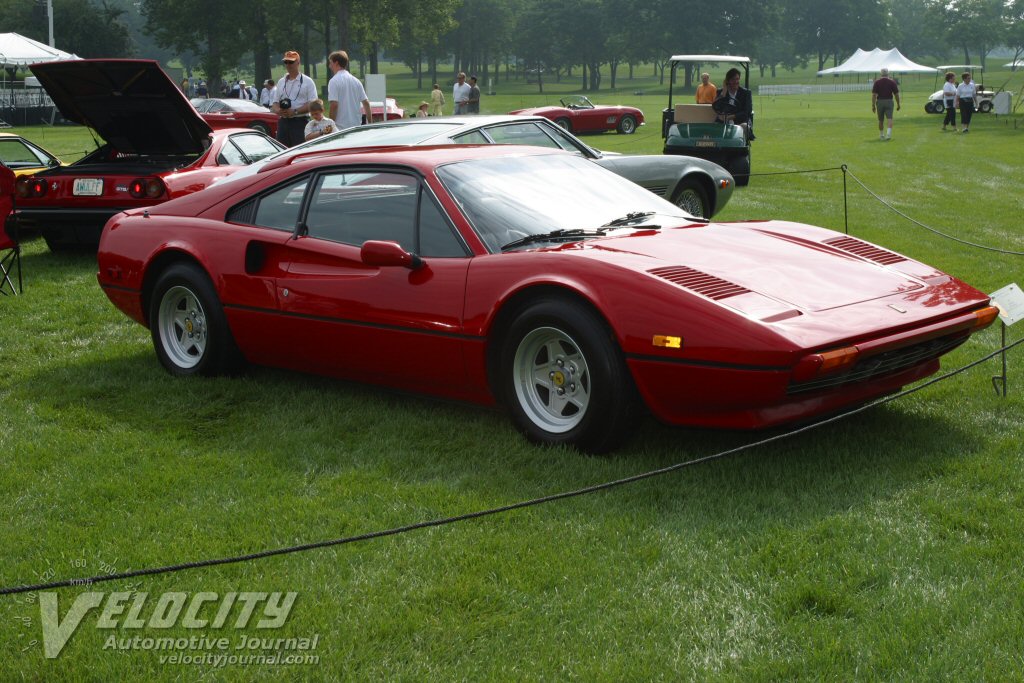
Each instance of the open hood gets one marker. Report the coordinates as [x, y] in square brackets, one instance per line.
[131, 103]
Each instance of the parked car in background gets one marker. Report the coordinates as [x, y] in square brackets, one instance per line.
[387, 110]
[233, 113]
[579, 115]
[24, 157]
[532, 278]
[155, 147]
[700, 187]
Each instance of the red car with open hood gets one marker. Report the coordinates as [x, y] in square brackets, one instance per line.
[154, 147]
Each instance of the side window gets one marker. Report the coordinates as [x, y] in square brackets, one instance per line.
[355, 207]
[521, 134]
[280, 209]
[474, 138]
[436, 236]
[563, 140]
[254, 146]
[230, 155]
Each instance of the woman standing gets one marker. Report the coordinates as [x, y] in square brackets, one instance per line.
[965, 94]
[949, 100]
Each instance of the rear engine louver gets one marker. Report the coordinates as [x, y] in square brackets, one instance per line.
[864, 250]
[694, 280]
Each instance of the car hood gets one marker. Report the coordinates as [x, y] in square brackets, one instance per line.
[131, 103]
[802, 267]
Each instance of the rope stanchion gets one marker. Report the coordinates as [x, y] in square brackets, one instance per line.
[152, 571]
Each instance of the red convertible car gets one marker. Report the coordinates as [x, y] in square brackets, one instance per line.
[579, 115]
[232, 113]
[533, 278]
[155, 148]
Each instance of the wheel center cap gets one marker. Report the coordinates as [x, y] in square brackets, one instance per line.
[188, 326]
[558, 378]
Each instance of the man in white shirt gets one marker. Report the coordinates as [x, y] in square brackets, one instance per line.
[460, 94]
[294, 93]
[269, 93]
[346, 94]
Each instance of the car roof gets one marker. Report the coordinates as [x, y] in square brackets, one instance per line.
[424, 157]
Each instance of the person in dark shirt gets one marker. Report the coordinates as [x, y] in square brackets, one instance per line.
[884, 92]
[734, 104]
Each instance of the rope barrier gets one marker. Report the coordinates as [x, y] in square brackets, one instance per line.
[928, 228]
[444, 521]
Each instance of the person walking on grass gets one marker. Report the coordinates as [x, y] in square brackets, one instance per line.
[884, 93]
[949, 101]
[965, 94]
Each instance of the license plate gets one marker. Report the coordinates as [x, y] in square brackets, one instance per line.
[706, 143]
[88, 187]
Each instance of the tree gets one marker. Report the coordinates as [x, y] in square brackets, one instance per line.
[210, 29]
[85, 27]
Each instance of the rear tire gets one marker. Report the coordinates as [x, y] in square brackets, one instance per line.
[186, 320]
[740, 169]
[564, 124]
[627, 125]
[985, 106]
[261, 127]
[692, 198]
[563, 377]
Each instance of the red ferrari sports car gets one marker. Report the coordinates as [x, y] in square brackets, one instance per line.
[530, 277]
[579, 115]
[233, 113]
[155, 148]
[388, 110]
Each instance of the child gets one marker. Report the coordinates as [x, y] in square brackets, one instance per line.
[318, 125]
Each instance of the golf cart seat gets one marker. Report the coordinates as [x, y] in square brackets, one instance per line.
[694, 113]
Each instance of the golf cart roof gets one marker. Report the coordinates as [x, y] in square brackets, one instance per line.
[710, 58]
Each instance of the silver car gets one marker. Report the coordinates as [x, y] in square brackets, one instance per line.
[699, 187]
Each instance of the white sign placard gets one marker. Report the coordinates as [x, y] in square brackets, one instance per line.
[376, 87]
[1010, 302]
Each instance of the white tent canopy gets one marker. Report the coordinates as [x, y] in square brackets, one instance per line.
[18, 51]
[862, 62]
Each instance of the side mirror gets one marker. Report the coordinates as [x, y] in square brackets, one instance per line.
[387, 254]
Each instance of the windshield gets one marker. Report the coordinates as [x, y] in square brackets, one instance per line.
[509, 198]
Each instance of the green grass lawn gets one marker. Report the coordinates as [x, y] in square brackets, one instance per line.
[886, 546]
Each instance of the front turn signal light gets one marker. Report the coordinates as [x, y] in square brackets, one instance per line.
[985, 317]
[825, 362]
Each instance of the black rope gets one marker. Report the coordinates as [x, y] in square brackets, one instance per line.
[496, 510]
[928, 228]
[809, 170]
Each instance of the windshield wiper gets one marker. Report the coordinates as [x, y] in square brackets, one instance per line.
[553, 236]
[629, 218]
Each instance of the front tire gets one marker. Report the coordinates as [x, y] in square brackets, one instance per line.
[186, 320]
[564, 124]
[692, 198]
[985, 106]
[261, 127]
[627, 125]
[563, 377]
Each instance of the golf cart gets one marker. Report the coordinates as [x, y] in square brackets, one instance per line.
[936, 103]
[690, 129]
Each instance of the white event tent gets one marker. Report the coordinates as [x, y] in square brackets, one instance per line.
[863, 62]
[17, 51]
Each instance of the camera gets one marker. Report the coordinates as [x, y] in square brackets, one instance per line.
[285, 103]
